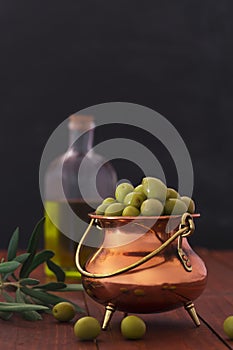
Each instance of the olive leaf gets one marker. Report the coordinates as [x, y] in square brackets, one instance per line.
[57, 270]
[72, 288]
[29, 281]
[31, 315]
[43, 296]
[32, 247]
[35, 237]
[5, 315]
[19, 307]
[7, 297]
[27, 295]
[48, 298]
[39, 259]
[21, 258]
[9, 266]
[51, 286]
[18, 296]
[39, 302]
[13, 245]
[27, 315]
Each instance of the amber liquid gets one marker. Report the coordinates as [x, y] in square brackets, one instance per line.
[64, 247]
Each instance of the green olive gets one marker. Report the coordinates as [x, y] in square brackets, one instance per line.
[151, 207]
[133, 198]
[122, 190]
[114, 209]
[228, 326]
[133, 327]
[87, 328]
[130, 211]
[189, 204]
[154, 188]
[171, 193]
[139, 189]
[63, 311]
[100, 210]
[174, 206]
[109, 200]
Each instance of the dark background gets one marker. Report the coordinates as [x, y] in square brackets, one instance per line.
[174, 56]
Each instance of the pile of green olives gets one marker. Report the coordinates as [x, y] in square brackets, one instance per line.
[150, 198]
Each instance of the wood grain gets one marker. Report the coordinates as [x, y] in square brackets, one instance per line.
[169, 330]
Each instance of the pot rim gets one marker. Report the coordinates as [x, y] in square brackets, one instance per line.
[139, 217]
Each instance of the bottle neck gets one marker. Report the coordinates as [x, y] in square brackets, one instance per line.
[81, 143]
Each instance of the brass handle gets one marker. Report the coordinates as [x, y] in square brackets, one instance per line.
[186, 228]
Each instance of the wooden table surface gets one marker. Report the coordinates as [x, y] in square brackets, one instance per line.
[170, 330]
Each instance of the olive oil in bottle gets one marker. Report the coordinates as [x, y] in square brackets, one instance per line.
[62, 231]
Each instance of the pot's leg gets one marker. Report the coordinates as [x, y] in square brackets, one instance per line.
[109, 310]
[189, 307]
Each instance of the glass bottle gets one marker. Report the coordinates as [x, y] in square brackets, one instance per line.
[62, 230]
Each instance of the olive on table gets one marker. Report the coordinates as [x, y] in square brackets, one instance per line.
[133, 327]
[87, 328]
[63, 311]
[228, 326]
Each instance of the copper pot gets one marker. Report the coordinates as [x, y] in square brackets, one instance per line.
[155, 271]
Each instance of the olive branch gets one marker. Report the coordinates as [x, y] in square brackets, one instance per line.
[30, 296]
